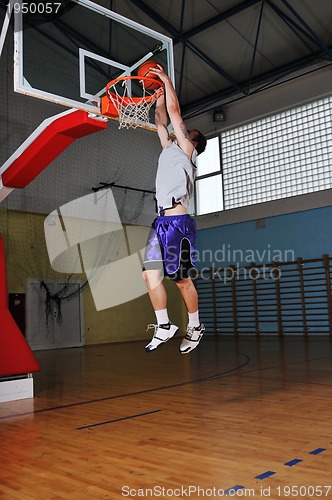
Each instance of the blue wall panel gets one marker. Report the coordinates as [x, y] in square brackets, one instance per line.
[306, 234]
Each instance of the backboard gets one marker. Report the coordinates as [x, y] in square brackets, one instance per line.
[67, 51]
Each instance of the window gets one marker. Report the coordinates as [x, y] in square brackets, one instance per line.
[276, 157]
[209, 194]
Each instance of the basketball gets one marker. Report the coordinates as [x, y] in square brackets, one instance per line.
[144, 70]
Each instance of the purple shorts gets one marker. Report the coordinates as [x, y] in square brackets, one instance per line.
[170, 246]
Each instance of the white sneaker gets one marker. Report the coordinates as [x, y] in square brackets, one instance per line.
[162, 333]
[192, 338]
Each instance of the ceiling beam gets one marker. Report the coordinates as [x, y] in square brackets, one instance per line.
[227, 95]
[296, 28]
[179, 90]
[177, 35]
[246, 4]
[319, 41]
[215, 66]
[255, 46]
[156, 17]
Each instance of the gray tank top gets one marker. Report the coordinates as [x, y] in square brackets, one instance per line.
[175, 177]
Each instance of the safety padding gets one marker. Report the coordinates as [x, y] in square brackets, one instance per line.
[16, 357]
[51, 138]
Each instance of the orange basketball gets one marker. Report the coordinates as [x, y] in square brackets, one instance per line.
[144, 70]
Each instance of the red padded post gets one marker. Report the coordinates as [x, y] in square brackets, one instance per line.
[16, 357]
[54, 138]
[3, 280]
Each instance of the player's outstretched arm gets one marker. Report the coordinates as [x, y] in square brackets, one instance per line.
[161, 121]
[174, 111]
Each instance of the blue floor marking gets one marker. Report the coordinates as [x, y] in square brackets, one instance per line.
[233, 489]
[265, 474]
[270, 473]
[291, 463]
[117, 420]
[316, 452]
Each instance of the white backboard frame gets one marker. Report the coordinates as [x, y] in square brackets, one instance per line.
[91, 105]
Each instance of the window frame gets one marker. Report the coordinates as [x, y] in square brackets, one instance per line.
[211, 174]
[318, 109]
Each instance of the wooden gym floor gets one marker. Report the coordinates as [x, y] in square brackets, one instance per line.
[244, 416]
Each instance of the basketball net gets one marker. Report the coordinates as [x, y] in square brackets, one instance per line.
[133, 111]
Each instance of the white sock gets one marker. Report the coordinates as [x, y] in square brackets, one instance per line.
[193, 319]
[162, 316]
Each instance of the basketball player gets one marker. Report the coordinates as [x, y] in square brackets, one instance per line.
[170, 246]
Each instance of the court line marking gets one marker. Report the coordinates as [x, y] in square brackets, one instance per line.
[117, 420]
[317, 451]
[155, 389]
[293, 462]
[211, 377]
[136, 393]
[267, 474]
[235, 488]
[276, 379]
[255, 370]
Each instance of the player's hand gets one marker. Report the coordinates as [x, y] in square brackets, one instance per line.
[159, 71]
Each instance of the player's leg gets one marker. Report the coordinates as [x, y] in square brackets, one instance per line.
[164, 330]
[189, 294]
[195, 329]
[153, 270]
[153, 274]
[157, 292]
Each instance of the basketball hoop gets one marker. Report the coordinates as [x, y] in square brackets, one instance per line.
[131, 111]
